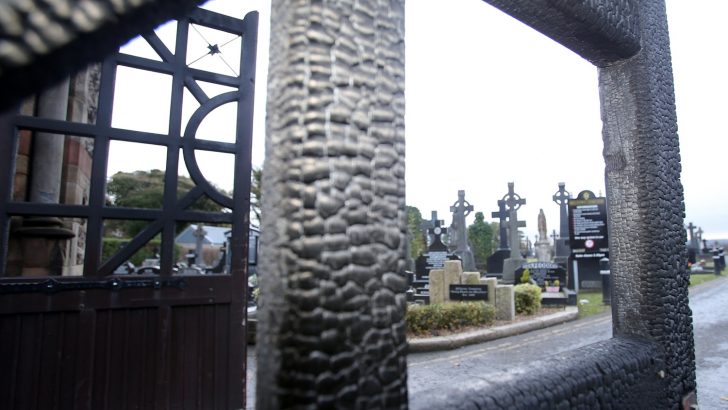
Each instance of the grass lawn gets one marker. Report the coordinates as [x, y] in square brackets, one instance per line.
[704, 277]
[594, 303]
[594, 297]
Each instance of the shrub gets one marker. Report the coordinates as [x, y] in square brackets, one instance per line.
[430, 319]
[528, 298]
[526, 276]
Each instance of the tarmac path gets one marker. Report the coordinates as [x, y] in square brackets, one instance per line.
[439, 370]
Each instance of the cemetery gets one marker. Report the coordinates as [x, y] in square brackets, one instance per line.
[336, 279]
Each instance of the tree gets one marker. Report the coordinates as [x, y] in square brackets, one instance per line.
[256, 176]
[415, 237]
[145, 189]
[480, 235]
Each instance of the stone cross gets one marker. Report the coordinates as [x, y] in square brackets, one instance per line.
[699, 235]
[693, 243]
[199, 235]
[513, 201]
[554, 236]
[561, 197]
[502, 216]
[427, 226]
[436, 231]
[460, 209]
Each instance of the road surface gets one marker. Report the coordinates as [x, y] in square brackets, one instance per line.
[439, 370]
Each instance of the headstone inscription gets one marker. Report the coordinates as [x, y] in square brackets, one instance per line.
[561, 198]
[458, 231]
[588, 239]
[514, 202]
[494, 263]
[434, 258]
[542, 272]
[466, 292]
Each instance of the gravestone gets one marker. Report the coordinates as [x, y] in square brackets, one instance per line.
[458, 232]
[543, 246]
[562, 251]
[541, 272]
[513, 201]
[588, 239]
[491, 283]
[435, 257]
[494, 262]
[505, 306]
[693, 244]
[441, 279]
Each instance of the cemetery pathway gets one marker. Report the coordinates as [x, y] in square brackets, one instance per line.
[434, 370]
[709, 303]
[440, 370]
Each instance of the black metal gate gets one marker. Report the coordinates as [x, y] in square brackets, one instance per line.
[135, 341]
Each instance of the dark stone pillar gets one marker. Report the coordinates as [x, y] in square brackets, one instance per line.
[331, 316]
[646, 207]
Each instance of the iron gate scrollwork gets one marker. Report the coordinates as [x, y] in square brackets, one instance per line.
[189, 328]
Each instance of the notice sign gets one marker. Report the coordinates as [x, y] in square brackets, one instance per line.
[588, 235]
[469, 292]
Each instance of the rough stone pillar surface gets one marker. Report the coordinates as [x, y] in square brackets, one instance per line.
[505, 306]
[647, 238]
[331, 328]
[437, 287]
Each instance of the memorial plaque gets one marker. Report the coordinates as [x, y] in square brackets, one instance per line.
[468, 292]
[588, 234]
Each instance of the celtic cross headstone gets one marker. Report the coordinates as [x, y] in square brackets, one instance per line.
[459, 234]
[513, 202]
[561, 198]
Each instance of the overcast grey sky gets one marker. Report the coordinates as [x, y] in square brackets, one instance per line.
[491, 101]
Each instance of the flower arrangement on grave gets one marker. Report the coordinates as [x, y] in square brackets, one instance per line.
[554, 286]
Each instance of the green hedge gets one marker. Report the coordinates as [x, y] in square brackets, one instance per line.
[528, 298]
[429, 319]
[112, 245]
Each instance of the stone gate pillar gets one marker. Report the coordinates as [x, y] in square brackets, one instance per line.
[331, 320]
[647, 240]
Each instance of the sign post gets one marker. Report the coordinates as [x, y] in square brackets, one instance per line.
[588, 237]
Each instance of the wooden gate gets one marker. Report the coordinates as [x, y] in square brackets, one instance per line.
[103, 340]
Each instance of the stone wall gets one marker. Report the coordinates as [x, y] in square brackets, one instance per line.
[331, 331]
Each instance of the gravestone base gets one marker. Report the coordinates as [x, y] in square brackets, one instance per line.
[492, 283]
[589, 274]
[554, 299]
[494, 263]
[543, 251]
[437, 286]
[471, 278]
[509, 269]
[505, 302]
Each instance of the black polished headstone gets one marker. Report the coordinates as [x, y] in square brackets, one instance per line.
[541, 272]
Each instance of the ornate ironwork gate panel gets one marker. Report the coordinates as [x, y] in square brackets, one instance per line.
[166, 340]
